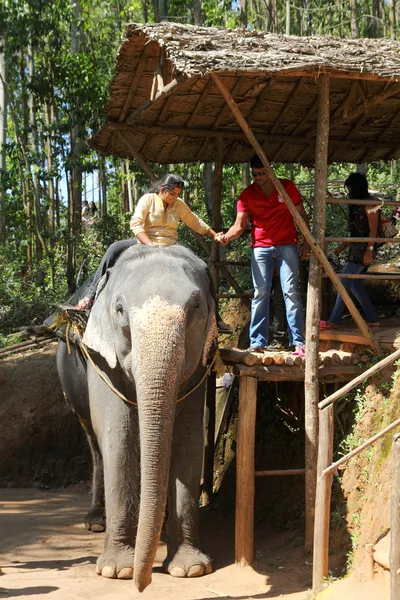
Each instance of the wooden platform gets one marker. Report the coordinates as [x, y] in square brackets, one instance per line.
[344, 354]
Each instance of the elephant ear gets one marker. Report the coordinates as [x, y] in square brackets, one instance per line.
[99, 333]
[211, 334]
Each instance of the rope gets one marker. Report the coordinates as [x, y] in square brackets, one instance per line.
[77, 330]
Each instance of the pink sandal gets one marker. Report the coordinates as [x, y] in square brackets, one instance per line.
[327, 326]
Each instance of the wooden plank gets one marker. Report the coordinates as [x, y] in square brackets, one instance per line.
[361, 202]
[244, 511]
[379, 240]
[313, 312]
[323, 499]
[284, 373]
[231, 134]
[296, 216]
[395, 522]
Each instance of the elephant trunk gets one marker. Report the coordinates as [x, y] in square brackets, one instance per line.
[160, 356]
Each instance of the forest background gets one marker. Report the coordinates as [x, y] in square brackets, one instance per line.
[56, 62]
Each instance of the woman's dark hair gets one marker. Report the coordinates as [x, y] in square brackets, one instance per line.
[168, 182]
[92, 206]
[358, 185]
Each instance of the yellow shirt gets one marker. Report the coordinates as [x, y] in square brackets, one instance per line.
[160, 224]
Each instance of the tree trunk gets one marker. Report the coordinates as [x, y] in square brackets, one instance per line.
[49, 124]
[198, 17]
[163, 4]
[145, 11]
[243, 14]
[287, 28]
[3, 133]
[392, 15]
[355, 31]
[156, 11]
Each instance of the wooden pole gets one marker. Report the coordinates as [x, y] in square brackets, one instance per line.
[311, 376]
[208, 462]
[323, 499]
[395, 522]
[216, 209]
[385, 362]
[244, 513]
[296, 217]
[137, 156]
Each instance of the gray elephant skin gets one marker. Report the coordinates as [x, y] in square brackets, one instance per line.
[150, 334]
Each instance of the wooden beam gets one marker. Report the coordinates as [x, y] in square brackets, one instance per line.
[313, 312]
[137, 156]
[296, 216]
[208, 459]
[238, 135]
[279, 472]
[363, 107]
[294, 373]
[168, 89]
[136, 78]
[362, 202]
[245, 443]
[323, 499]
[298, 88]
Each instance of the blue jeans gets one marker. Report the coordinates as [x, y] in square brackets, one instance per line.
[263, 262]
[356, 286]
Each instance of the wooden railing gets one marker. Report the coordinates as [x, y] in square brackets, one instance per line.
[325, 468]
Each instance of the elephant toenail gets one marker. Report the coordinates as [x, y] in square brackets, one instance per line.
[177, 572]
[208, 568]
[125, 573]
[196, 570]
[98, 569]
[97, 528]
[108, 572]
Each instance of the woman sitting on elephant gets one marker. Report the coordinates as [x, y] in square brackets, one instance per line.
[154, 223]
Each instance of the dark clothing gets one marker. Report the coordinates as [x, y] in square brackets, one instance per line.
[278, 326]
[109, 259]
[359, 227]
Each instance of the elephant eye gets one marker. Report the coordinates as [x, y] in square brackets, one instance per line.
[119, 307]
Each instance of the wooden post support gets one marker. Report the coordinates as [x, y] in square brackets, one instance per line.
[216, 209]
[311, 376]
[395, 522]
[208, 461]
[315, 247]
[323, 499]
[244, 514]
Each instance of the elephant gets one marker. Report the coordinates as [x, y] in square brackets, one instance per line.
[140, 398]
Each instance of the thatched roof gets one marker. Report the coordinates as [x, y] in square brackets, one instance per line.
[168, 109]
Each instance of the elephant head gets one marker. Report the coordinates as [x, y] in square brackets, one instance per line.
[154, 320]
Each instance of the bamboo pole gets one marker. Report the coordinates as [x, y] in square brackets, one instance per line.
[244, 512]
[311, 377]
[323, 499]
[385, 362]
[395, 522]
[279, 472]
[375, 438]
[295, 214]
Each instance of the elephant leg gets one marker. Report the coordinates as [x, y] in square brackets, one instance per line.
[116, 425]
[184, 558]
[95, 519]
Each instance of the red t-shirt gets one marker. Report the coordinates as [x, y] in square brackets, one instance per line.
[271, 222]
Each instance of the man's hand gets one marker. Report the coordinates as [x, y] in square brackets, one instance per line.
[219, 237]
[305, 250]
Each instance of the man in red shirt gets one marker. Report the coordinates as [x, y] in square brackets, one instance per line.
[274, 245]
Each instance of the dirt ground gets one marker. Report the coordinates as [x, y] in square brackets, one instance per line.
[46, 551]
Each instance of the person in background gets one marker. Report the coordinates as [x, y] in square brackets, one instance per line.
[154, 223]
[85, 209]
[274, 245]
[363, 222]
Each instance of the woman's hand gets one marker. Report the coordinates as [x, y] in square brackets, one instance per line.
[218, 237]
[368, 257]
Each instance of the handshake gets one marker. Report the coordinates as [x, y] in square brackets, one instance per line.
[221, 238]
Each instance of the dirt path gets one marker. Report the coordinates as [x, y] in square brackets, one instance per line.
[45, 550]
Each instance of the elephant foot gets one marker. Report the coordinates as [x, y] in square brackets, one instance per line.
[188, 562]
[116, 563]
[95, 520]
